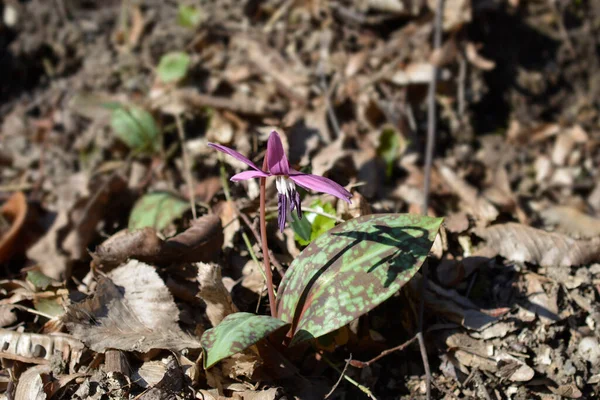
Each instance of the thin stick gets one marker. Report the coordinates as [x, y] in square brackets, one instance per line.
[272, 257]
[431, 129]
[340, 378]
[265, 245]
[186, 165]
[363, 364]
[362, 388]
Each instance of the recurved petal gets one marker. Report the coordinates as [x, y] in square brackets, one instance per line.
[276, 159]
[234, 154]
[320, 184]
[242, 176]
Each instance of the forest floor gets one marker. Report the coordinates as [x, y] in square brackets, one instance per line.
[106, 112]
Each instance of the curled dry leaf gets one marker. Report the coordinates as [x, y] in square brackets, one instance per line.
[39, 349]
[522, 243]
[481, 208]
[32, 383]
[14, 212]
[200, 242]
[572, 222]
[477, 59]
[218, 300]
[132, 310]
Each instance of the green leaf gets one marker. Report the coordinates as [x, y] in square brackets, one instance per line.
[313, 225]
[188, 16]
[173, 66]
[352, 268]
[39, 280]
[301, 227]
[236, 333]
[157, 210]
[51, 306]
[137, 128]
[391, 145]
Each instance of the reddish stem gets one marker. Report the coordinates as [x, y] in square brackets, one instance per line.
[265, 245]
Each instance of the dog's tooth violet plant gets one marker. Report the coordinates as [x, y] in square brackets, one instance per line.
[286, 178]
[341, 275]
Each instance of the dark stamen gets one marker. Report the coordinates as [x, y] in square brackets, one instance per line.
[282, 211]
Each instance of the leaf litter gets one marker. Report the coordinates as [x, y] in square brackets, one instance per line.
[89, 146]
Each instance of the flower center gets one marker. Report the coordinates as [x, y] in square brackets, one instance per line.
[289, 198]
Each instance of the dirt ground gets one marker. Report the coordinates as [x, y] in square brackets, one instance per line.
[107, 109]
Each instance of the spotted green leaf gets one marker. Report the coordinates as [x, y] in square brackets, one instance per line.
[236, 333]
[352, 268]
[157, 210]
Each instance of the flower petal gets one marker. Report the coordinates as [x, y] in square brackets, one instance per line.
[234, 154]
[276, 159]
[242, 176]
[320, 184]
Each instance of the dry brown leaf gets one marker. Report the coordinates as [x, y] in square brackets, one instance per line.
[539, 301]
[522, 243]
[39, 349]
[32, 383]
[13, 212]
[482, 209]
[81, 205]
[131, 311]
[456, 13]
[477, 60]
[218, 300]
[572, 222]
[172, 385]
[200, 242]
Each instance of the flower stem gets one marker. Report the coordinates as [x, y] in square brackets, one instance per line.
[265, 245]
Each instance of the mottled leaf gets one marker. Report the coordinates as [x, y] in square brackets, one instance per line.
[236, 333]
[173, 66]
[157, 210]
[137, 128]
[351, 269]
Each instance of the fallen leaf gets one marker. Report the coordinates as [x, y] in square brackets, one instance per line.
[82, 204]
[200, 242]
[218, 300]
[157, 210]
[131, 310]
[33, 382]
[481, 208]
[572, 222]
[13, 212]
[39, 349]
[522, 243]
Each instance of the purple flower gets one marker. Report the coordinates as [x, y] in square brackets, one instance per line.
[286, 178]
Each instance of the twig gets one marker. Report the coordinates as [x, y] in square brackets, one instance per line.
[247, 106]
[265, 246]
[282, 10]
[431, 130]
[324, 55]
[340, 378]
[363, 364]
[186, 165]
[253, 256]
[274, 260]
[362, 388]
